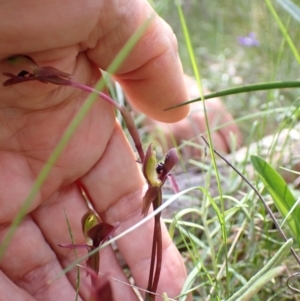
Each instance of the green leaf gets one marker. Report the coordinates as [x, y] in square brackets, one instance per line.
[281, 194]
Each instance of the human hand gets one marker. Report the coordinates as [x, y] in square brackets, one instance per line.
[79, 38]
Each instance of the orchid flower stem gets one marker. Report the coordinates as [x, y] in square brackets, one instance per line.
[92, 90]
[84, 192]
[124, 112]
[94, 261]
[156, 255]
[158, 252]
[151, 272]
[133, 132]
[156, 259]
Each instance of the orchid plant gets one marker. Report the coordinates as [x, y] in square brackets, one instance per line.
[95, 231]
[156, 175]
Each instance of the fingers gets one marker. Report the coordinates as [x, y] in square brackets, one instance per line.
[51, 218]
[11, 292]
[218, 117]
[62, 210]
[152, 74]
[225, 117]
[109, 266]
[33, 30]
[34, 259]
[117, 195]
[30, 263]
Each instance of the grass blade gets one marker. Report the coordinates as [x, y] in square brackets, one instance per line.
[207, 123]
[291, 8]
[75, 253]
[284, 31]
[243, 89]
[264, 275]
[280, 192]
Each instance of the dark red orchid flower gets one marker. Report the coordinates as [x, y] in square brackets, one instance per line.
[96, 233]
[42, 74]
[156, 175]
[46, 74]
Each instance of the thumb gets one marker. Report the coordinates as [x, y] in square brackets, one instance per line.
[152, 75]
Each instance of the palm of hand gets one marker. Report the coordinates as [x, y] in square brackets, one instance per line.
[33, 117]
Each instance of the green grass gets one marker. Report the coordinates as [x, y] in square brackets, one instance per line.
[219, 266]
[214, 27]
[227, 237]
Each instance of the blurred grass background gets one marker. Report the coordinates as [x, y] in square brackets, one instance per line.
[215, 27]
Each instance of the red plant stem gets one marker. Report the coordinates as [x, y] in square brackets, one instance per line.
[92, 90]
[84, 190]
[158, 253]
[133, 132]
[152, 264]
[93, 262]
[125, 114]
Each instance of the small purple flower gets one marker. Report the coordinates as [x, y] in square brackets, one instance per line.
[249, 41]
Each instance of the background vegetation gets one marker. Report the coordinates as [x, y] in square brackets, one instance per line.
[215, 27]
[221, 262]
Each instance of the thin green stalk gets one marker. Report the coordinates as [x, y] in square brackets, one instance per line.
[75, 253]
[268, 209]
[243, 89]
[198, 78]
[207, 230]
[272, 78]
[253, 283]
[284, 31]
[42, 176]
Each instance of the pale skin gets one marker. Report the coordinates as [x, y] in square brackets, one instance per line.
[79, 38]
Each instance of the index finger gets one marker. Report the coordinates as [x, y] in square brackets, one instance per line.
[152, 75]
